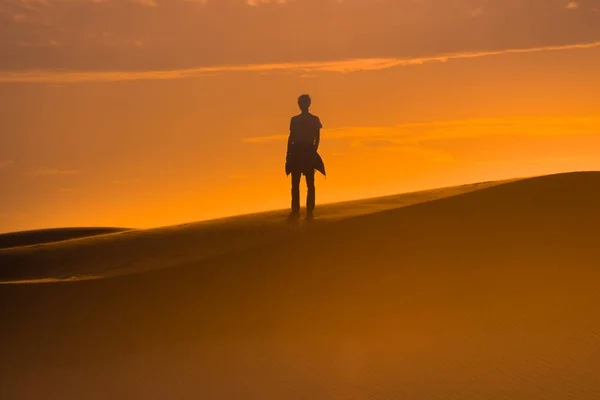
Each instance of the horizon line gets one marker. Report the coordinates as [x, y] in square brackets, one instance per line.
[259, 211]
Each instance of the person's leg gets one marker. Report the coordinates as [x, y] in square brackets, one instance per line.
[310, 191]
[296, 191]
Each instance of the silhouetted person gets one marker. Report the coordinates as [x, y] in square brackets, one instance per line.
[302, 157]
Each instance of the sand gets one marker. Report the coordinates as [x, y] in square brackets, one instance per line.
[42, 236]
[478, 292]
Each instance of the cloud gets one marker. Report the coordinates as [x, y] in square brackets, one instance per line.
[183, 35]
[344, 66]
[6, 163]
[476, 12]
[429, 140]
[572, 5]
[412, 134]
[147, 3]
[49, 43]
[51, 172]
[33, 4]
[256, 3]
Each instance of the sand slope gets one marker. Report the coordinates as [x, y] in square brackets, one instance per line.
[42, 236]
[489, 294]
[133, 251]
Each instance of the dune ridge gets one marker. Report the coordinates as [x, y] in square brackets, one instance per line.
[43, 236]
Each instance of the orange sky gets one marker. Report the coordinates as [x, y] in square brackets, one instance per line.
[145, 112]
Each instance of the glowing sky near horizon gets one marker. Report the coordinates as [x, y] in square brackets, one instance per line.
[143, 113]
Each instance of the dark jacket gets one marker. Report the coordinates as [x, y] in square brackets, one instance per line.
[313, 161]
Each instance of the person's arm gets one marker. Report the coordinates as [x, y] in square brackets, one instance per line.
[318, 134]
[290, 143]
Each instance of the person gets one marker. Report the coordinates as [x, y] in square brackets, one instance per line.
[302, 157]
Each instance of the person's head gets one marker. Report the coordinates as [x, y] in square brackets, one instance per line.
[304, 102]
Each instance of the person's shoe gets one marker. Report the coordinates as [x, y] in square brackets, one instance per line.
[310, 215]
[294, 215]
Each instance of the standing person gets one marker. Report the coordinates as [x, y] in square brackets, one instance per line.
[302, 157]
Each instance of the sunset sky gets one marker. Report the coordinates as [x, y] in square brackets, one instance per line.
[141, 113]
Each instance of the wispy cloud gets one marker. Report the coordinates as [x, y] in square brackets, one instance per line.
[263, 2]
[572, 5]
[51, 172]
[33, 4]
[343, 66]
[476, 12]
[6, 163]
[415, 133]
[49, 43]
[147, 3]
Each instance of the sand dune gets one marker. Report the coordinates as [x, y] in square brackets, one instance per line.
[484, 292]
[42, 236]
[133, 251]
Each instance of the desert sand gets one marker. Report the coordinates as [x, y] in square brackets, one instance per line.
[485, 291]
[42, 236]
